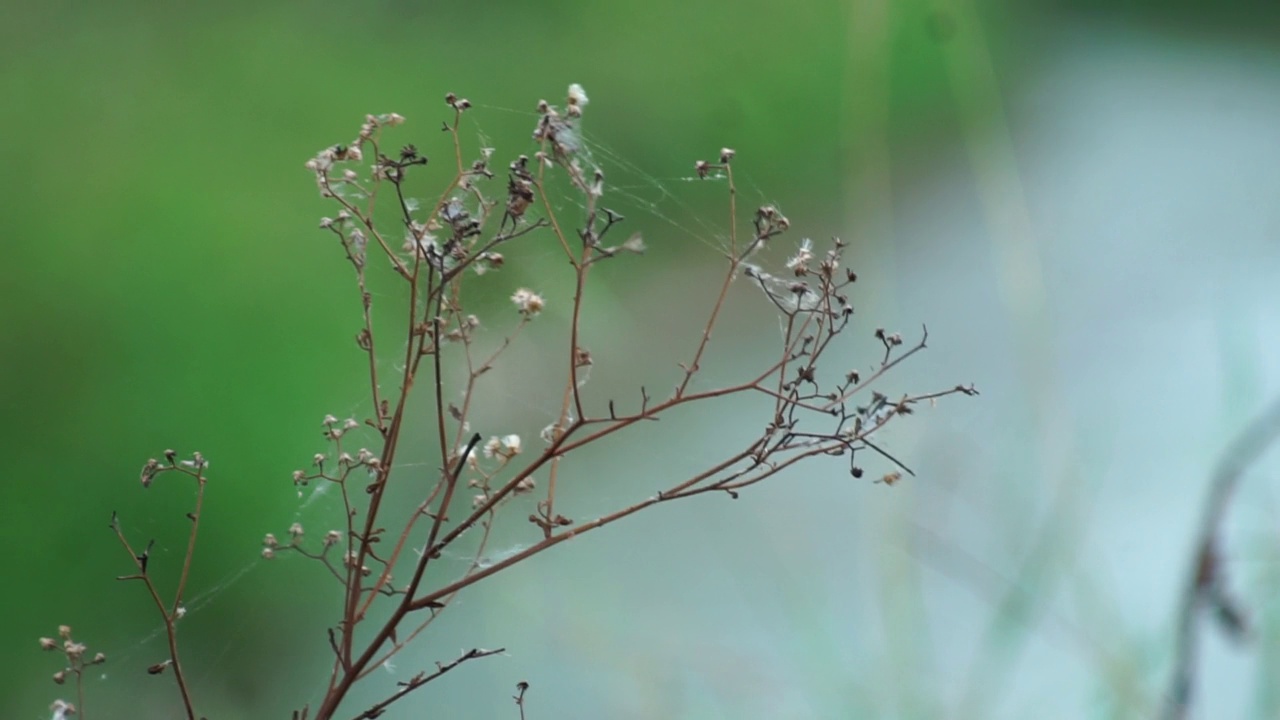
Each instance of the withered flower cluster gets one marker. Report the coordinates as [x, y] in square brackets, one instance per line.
[379, 556]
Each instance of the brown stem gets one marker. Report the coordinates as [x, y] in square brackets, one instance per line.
[170, 618]
[1204, 577]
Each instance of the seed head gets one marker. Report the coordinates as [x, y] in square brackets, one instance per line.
[527, 302]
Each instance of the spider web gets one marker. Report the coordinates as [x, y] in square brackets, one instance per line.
[659, 198]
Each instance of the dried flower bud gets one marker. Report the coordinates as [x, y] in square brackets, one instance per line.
[331, 538]
[60, 677]
[270, 540]
[489, 261]
[726, 154]
[799, 263]
[295, 530]
[527, 302]
[890, 478]
[149, 472]
[48, 644]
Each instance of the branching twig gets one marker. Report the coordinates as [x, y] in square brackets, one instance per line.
[1206, 585]
[421, 679]
[448, 244]
[170, 613]
[522, 687]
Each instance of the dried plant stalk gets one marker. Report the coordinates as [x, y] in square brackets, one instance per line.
[457, 243]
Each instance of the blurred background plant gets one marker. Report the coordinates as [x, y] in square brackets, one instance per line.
[1078, 197]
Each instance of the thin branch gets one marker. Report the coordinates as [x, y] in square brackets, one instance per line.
[170, 618]
[422, 679]
[730, 272]
[1204, 588]
[814, 308]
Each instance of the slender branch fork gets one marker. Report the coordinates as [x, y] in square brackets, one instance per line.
[172, 611]
[445, 249]
[1206, 589]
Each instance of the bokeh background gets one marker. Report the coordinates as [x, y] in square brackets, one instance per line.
[1079, 198]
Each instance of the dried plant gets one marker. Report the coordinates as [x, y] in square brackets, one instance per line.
[1207, 593]
[78, 659]
[379, 559]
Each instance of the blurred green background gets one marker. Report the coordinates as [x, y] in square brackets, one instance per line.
[1077, 197]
